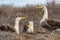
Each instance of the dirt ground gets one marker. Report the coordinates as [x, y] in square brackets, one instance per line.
[25, 36]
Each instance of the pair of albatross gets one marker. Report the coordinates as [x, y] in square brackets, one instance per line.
[48, 23]
[28, 28]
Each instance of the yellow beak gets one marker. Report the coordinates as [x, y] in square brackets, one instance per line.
[29, 25]
[40, 7]
[23, 18]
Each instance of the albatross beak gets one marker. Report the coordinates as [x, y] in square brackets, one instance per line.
[39, 7]
[23, 18]
[41, 11]
[29, 25]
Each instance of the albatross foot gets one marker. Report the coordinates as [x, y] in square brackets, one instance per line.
[49, 32]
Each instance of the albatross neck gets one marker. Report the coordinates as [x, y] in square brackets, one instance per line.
[16, 27]
[45, 15]
[16, 24]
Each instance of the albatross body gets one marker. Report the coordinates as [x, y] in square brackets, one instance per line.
[48, 23]
[29, 27]
[16, 26]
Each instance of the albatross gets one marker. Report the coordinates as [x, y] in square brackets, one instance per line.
[16, 26]
[48, 23]
[29, 27]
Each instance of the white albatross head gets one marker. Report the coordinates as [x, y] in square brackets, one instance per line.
[30, 27]
[30, 24]
[41, 7]
[20, 18]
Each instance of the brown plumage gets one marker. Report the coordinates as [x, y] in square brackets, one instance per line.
[51, 24]
[7, 28]
[25, 28]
